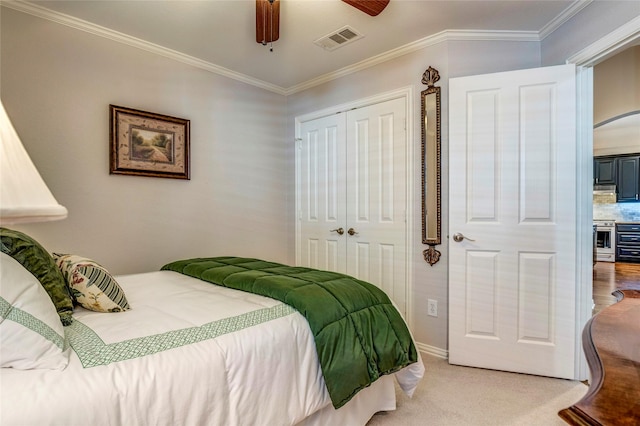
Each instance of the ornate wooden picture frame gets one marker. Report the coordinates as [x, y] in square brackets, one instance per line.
[148, 144]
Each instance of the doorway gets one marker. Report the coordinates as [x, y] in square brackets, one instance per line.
[625, 36]
[614, 106]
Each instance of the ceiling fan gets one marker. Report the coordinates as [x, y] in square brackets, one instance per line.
[370, 7]
[268, 16]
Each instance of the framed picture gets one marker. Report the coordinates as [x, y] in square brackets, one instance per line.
[148, 144]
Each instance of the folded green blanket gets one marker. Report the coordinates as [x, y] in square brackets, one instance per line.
[359, 334]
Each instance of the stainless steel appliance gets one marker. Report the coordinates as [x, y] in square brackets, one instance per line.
[605, 240]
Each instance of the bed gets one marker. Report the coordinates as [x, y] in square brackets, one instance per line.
[175, 350]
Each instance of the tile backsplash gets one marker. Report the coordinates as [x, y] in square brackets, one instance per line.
[620, 212]
[604, 199]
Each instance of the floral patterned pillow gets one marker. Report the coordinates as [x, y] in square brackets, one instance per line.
[91, 285]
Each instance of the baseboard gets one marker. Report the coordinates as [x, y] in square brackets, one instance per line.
[432, 350]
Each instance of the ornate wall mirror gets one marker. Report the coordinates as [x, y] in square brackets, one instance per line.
[431, 192]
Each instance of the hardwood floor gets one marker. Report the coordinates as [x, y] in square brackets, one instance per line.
[608, 277]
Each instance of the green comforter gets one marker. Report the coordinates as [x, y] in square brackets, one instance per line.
[359, 335]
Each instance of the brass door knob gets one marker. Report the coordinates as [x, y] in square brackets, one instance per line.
[458, 237]
[340, 231]
[351, 231]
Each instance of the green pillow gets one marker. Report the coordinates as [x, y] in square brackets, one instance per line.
[40, 263]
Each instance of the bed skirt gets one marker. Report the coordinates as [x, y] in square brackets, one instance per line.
[380, 396]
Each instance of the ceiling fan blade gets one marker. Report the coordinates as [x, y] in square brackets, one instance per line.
[370, 7]
[267, 21]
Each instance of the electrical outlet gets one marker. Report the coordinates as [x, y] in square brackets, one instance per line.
[432, 307]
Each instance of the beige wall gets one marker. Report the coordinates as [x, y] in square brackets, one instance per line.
[616, 85]
[616, 94]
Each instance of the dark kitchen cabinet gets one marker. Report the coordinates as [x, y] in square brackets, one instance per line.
[604, 170]
[628, 242]
[628, 178]
[623, 171]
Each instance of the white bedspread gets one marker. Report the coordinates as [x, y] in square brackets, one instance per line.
[216, 356]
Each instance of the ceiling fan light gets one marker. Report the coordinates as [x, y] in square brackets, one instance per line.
[267, 21]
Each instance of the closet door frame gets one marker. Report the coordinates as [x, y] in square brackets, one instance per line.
[405, 93]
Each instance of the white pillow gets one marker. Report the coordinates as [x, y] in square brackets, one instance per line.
[31, 334]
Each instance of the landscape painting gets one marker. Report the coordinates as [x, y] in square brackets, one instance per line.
[148, 144]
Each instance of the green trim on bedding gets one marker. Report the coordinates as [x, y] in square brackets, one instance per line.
[93, 351]
[358, 333]
[25, 319]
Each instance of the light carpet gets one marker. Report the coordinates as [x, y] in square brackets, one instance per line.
[454, 395]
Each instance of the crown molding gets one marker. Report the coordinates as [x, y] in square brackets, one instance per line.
[79, 24]
[443, 36]
[564, 16]
[625, 35]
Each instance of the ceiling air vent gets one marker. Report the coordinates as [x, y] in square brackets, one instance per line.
[339, 38]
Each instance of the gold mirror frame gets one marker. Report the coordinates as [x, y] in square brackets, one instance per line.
[431, 182]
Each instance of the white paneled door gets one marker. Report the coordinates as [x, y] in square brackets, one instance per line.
[322, 193]
[352, 195]
[512, 224]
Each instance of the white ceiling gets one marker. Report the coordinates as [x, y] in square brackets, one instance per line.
[220, 34]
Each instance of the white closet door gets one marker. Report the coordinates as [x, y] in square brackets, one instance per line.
[376, 196]
[321, 192]
[352, 175]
